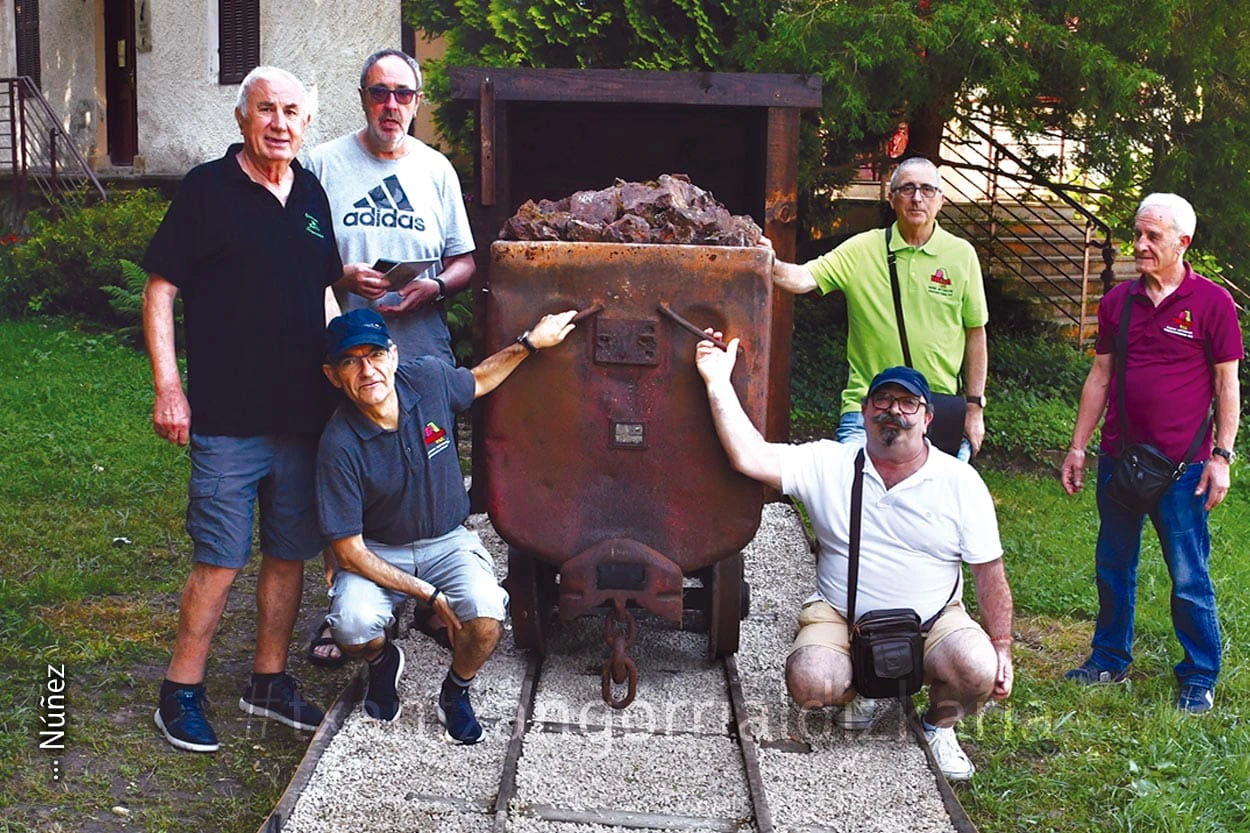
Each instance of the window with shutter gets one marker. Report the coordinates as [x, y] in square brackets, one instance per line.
[26, 18]
[238, 39]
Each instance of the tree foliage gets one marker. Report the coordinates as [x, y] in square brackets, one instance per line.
[1151, 94]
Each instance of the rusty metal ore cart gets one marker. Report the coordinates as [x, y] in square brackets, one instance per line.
[602, 461]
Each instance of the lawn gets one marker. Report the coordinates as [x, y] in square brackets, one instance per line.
[94, 554]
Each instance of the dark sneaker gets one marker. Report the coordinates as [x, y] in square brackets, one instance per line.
[382, 696]
[455, 712]
[281, 701]
[1195, 699]
[1090, 674]
[181, 720]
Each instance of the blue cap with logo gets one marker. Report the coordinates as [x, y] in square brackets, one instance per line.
[909, 379]
[360, 326]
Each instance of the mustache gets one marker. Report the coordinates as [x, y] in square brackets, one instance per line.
[895, 420]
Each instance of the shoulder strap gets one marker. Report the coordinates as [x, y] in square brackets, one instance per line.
[891, 259]
[852, 568]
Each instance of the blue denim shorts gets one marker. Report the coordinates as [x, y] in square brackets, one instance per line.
[230, 475]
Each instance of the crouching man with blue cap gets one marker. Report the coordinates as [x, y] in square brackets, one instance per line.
[923, 515]
[392, 502]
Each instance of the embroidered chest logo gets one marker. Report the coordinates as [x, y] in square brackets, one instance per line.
[436, 440]
[1182, 324]
[313, 227]
[939, 284]
[385, 206]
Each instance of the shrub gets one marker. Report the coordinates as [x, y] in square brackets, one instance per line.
[63, 265]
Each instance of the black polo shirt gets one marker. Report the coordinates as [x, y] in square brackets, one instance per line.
[252, 274]
[400, 486]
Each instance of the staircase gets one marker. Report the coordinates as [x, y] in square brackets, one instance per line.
[1035, 237]
[35, 149]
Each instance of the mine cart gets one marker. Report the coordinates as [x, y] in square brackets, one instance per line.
[605, 474]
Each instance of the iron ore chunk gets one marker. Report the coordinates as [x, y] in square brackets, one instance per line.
[671, 209]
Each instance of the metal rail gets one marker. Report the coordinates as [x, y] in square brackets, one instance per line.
[1012, 216]
[35, 148]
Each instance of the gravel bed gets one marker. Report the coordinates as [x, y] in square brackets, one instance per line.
[638, 773]
[403, 776]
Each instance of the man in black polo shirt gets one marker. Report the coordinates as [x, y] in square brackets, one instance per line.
[392, 502]
[248, 242]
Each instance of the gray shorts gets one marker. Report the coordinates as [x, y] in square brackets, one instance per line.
[230, 475]
[456, 563]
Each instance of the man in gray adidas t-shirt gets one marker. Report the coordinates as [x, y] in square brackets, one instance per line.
[395, 198]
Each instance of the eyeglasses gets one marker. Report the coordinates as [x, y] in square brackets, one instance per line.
[353, 364]
[380, 94]
[906, 404]
[927, 191]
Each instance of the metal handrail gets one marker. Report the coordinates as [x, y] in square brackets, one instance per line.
[996, 203]
[40, 151]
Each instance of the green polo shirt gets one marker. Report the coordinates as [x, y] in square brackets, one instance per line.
[943, 295]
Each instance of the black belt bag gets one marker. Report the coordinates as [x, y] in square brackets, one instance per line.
[1140, 477]
[887, 653]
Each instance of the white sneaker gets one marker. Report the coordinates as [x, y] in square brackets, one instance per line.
[950, 756]
[861, 713]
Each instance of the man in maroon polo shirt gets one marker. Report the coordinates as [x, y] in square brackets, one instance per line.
[1181, 358]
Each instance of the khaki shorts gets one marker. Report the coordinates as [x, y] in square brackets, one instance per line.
[820, 624]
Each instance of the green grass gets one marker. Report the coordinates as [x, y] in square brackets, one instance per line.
[80, 467]
[1056, 757]
[92, 558]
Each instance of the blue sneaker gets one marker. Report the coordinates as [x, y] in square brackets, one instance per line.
[382, 696]
[455, 712]
[1090, 674]
[280, 700]
[181, 720]
[1195, 699]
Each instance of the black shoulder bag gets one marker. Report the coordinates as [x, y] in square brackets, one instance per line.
[1143, 473]
[887, 646]
[946, 431]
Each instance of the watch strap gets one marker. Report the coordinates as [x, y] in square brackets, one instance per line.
[524, 340]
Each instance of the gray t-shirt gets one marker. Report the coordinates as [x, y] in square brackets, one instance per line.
[403, 209]
[401, 486]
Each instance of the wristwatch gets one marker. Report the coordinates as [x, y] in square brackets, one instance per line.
[1225, 453]
[442, 289]
[524, 340]
[976, 400]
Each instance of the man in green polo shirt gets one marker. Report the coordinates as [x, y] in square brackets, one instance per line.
[943, 301]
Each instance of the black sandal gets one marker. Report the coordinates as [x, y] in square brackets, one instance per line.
[423, 619]
[320, 640]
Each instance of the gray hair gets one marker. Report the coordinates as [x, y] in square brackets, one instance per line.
[912, 162]
[1184, 221]
[264, 72]
[386, 53]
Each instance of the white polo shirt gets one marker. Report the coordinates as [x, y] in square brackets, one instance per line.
[913, 537]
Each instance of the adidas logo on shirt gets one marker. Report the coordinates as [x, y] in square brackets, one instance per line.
[386, 206]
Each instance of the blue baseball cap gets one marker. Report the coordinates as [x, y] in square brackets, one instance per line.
[360, 326]
[907, 378]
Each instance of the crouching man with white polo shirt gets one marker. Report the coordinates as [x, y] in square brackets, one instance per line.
[924, 515]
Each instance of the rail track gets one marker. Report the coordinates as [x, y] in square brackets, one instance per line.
[708, 745]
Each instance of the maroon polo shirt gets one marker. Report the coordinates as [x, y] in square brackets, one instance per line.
[1169, 383]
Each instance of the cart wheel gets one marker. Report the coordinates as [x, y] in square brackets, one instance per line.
[727, 599]
[532, 589]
